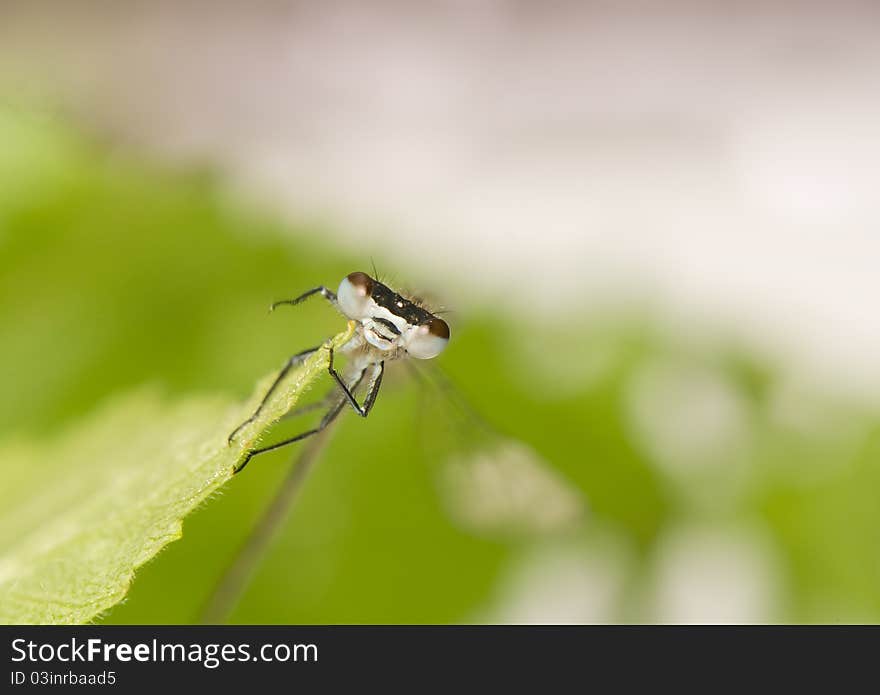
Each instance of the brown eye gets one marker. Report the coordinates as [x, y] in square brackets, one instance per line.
[438, 328]
[362, 283]
[428, 340]
[354, 295]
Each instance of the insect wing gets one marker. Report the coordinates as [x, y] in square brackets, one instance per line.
[490, 483]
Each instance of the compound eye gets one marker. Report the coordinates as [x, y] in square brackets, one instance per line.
[354, 295]
[429, 339]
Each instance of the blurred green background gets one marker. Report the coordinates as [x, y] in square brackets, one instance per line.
[705, 486]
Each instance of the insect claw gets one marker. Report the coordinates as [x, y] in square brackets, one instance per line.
[234, 433]
[239, 467]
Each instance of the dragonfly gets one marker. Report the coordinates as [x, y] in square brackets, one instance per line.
[388, 327]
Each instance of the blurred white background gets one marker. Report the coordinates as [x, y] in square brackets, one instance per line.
[714, 162]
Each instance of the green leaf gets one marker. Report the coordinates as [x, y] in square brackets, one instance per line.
[81, 513]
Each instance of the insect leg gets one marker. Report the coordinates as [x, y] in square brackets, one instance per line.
[372, 390]
[329, 295]
[329, 417]
[304, 409]
[296, 359]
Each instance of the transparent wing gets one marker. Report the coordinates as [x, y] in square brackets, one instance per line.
[490, 483]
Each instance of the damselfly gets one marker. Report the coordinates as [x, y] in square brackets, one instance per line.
[494, 483]
[388, 327]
